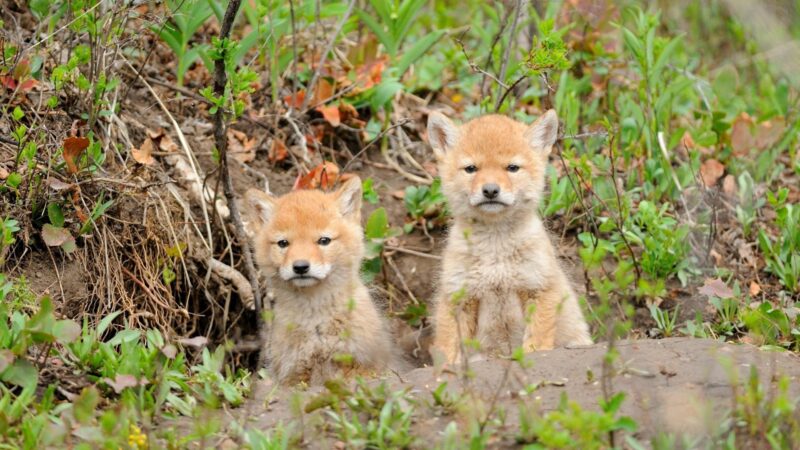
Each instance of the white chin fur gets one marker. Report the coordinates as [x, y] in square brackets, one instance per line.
[492, 207]
[304, 282]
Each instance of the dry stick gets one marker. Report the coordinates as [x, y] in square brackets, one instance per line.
[324, 55]
[507, 53]
[220, 137]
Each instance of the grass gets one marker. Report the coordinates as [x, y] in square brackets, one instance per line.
[678, 165]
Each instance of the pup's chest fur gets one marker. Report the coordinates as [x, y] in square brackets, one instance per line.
[498, 261]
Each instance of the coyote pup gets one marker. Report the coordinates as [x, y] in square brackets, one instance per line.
[501, 281]
[309, 243]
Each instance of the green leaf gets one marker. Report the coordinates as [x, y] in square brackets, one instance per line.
[388, 43]
[21, 373]
[66, 331]
[417, 50]
[377, 224]
[84, 406]
[384, 92]
[55, 214]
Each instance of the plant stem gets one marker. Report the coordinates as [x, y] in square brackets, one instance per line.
[221, 139]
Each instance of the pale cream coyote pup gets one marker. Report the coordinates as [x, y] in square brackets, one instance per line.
[501, 282]
[310, 245]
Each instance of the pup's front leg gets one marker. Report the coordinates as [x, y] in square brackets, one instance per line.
[542, 307]
[453, 324]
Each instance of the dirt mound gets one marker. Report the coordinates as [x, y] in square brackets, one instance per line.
[678, 386]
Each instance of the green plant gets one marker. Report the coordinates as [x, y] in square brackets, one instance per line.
[186, 17]
[571, 426]
[18, 333]
[8, 228]
[377, 232]
[782, 254]
[426, 205]
[394, 22]
[367, 417]
[665, 320]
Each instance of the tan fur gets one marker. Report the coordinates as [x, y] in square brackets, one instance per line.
[330, 328]
[501, 281]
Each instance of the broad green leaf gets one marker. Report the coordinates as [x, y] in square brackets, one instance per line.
[20, 373]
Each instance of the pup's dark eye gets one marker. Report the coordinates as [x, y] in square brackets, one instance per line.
[470, 168]
[324, 240]
[512, 168]
[283, 243]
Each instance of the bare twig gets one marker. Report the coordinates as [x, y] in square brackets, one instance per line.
[221, 139]
[475, 68]
[507, 53]
[239, 281]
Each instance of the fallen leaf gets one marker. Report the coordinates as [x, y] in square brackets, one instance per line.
[277, 151]
[295, 100]
[3, 173]
[711, 171]
[715, 288]
[170, 351]
[73, 147]
[331, 114]
[729, 185]
[197, 341]
[58, 185]
[755, 288]
[155, 135]
[324, 176]
[371, 72]
[54, 236]
[240, 146]
[122, 381]
[769, 133]
[166, 144]
[399, 194]
[144, 154]
[742, 140]
[347, 112]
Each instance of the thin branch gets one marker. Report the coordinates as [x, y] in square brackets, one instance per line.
[221, 140]
[507, 53]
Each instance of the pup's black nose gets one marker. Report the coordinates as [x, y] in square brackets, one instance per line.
[301, 266]
[491, 191]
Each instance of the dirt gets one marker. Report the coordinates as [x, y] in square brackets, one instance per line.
[677, 385]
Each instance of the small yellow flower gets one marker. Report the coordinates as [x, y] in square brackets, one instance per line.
[136, 439]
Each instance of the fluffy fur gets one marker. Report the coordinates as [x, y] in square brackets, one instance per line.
[501, 281]
[325, 324]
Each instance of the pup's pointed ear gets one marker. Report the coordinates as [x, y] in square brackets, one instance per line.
[349, 196]
[542, 134]
[442, 133]
[262, 205]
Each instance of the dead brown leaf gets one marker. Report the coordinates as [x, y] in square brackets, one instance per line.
[331, 114]
[166, 144]
[324, 176]
[240, 146]
[729, 185]
[755, 288]
[277, 151]
[711, 171]
[3, 173]
[73, 147]
[144, 154]
[742, 140]
[716, 288]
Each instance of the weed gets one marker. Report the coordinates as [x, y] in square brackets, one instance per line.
[426, 205]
